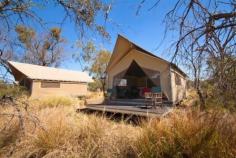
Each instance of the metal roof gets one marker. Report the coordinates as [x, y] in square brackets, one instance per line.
[37, 72]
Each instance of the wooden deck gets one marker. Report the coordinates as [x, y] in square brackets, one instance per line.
[131, 110]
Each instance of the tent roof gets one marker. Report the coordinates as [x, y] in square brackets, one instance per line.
[37, 72]
[124, 46]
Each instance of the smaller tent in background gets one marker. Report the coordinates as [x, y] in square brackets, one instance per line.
[44, 81]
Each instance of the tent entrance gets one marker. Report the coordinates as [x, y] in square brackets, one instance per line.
[133, 82]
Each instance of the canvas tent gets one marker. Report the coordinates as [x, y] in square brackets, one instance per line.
[44, 81]
[132, 69]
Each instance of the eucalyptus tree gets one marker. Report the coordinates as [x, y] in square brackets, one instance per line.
[15, 13]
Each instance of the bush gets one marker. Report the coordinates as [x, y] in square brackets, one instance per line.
[11, 90]
[94, 86]
[67, 135]
[55, 102]
[60, 132]
[189, 134]
[9, 128]
[54, 134]
[9, 134]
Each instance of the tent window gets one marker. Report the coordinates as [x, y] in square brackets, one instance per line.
[46, 84]
[121, 82]
[177, 79]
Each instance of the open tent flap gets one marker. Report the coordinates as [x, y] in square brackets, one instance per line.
[131, 82]
[135, 70]
[154, 76]
[118, 79]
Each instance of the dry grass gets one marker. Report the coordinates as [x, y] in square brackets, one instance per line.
[95, 98]
[56, 101]
[190, 134]
[9, 129]
[191, 99]
[64, 133]
[94, 95]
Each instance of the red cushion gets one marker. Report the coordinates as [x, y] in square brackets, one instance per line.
[146, 90]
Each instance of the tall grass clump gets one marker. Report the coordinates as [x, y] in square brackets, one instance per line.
[54, 102]
[63, 133]
[60, 131]
[9, 130]
[12, 90]
[189, 134]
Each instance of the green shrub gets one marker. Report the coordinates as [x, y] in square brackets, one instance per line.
[11, 90]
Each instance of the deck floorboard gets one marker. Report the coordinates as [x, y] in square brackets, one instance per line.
[130, 110]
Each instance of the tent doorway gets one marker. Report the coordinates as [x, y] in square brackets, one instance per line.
[133, 82]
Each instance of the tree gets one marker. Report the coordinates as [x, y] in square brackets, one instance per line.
[194, 60]
[86, 55]
[82, 13]
[14, 13]
[98, 68]
[95, 62]
[44, 50]
[208, 29]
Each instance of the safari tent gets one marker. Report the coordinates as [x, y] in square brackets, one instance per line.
[42, 81]
[133, 70]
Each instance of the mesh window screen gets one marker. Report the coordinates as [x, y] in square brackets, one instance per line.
[47, 84]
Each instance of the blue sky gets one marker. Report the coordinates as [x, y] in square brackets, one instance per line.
[145, 29]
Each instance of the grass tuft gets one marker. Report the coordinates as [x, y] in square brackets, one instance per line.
[55, 102]
[189, 134]
[61, 132]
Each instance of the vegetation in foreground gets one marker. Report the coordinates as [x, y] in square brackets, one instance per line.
[58, 131]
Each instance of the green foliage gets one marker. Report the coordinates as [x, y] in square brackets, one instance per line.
[94, 86]
[95, 62]
[100, 63]
[98, 68]
[88, 54]
[11, 90]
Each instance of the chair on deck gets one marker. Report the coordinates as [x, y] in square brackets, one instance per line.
[148, 99]
[154, 98]
[157, 99]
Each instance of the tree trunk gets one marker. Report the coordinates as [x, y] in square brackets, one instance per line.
[202, 99]
[200, 95]
[103, 87]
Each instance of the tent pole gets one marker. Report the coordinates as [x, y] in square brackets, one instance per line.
[146, 81]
